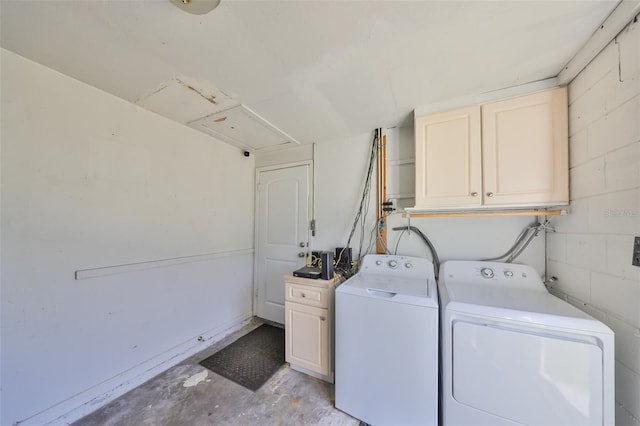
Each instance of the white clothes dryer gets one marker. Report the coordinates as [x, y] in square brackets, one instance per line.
[387, 342]
[514, 354]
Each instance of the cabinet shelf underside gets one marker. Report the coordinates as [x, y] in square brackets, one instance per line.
[476, 213]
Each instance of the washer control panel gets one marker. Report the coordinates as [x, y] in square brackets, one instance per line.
[397, 265]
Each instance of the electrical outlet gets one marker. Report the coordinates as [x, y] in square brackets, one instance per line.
[394, 203]
[636, 252]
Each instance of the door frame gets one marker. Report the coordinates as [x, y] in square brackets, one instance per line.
[311, 209]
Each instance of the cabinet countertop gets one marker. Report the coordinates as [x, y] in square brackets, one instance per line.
[308, 281]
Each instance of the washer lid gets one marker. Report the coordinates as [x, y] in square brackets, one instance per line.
[394, 289]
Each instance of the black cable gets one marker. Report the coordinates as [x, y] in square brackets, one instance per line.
[363, 208]
[434, 254]
[366, 193]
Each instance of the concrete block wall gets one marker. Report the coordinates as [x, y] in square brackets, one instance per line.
[590, 252]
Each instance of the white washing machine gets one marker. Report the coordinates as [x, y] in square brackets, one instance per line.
[512, 353]
[387, 342]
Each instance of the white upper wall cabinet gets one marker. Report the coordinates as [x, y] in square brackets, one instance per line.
[448, 159]
[505, 154]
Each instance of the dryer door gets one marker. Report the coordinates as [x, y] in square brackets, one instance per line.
[530, 376]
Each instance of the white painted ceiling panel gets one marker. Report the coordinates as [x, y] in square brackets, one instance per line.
[318, 70]
[184, 99]
[242, 127]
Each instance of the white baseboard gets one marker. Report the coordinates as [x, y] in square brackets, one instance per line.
[91, 399]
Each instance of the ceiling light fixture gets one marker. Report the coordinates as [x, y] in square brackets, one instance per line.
[197, 7]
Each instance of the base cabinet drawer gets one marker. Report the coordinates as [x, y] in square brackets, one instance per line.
[307, 295]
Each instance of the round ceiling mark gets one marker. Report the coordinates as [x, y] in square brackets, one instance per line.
[197, 7]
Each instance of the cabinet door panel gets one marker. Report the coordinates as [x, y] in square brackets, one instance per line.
[525, 150]
[448, 158]
[307, 337]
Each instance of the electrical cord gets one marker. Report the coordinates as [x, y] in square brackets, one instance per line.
[378, 237]
[367, 192]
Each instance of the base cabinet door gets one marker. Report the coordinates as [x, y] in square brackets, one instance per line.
[307, 337]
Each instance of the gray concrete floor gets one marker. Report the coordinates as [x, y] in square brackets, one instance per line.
[287, 398]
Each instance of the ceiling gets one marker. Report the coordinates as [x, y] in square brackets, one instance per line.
[317, 70]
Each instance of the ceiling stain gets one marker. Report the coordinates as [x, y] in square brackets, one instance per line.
[185, 99]
[210, 98]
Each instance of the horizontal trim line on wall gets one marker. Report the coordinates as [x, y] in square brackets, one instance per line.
[83, 274]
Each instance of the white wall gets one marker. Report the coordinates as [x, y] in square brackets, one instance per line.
[340, 171]
[91, 181]
[591, 252]
[290, 155]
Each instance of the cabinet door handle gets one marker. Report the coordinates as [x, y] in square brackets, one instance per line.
[321, 318]
[474, 194]
[303, 295]
[301, 254]
[489, 194]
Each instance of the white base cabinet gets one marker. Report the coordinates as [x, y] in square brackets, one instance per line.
[309, 326]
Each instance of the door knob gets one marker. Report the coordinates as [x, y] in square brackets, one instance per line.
[489, 194]
[474, 194]
[303, 244]
[301, 254]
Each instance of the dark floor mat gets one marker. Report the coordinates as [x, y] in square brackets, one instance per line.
[252, 359]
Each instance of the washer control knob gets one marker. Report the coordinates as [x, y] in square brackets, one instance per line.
[408, 265]
[378, 262]
[487, 272]
[508, 274]
[393, 264]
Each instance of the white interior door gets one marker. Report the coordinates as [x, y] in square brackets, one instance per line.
[282, 234]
